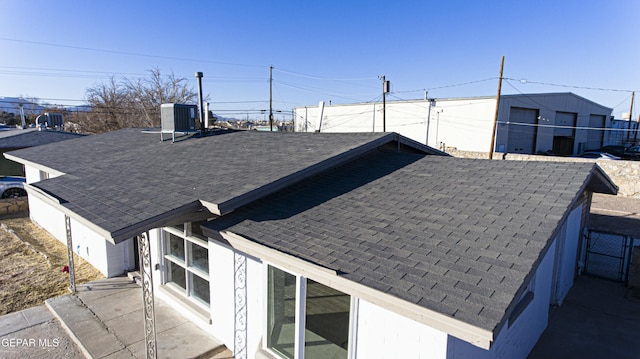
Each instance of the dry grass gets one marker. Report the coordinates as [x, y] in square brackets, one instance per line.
[31, 273]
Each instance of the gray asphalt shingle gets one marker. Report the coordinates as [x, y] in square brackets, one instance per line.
[453, 235]
[121, 178]
[31, 138]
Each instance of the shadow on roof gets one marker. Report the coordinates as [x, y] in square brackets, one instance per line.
[319, 189]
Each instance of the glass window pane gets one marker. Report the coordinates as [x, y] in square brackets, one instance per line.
[199, 257]
[281, 312]
[327, 322]
[200, 288]
[176, 274]
[176, 246]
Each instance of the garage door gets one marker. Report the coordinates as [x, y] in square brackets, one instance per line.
[595, 137]
[522, 130]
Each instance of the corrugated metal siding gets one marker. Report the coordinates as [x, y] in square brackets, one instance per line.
[522, 130]
[595, 137]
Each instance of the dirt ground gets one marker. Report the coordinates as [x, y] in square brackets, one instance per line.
[31, 263]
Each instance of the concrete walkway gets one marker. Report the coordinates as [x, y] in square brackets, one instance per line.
[103, 320]
[35, 333]
[598, 319]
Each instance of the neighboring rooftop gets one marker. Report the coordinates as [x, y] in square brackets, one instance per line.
[455, 236]
[19, 138]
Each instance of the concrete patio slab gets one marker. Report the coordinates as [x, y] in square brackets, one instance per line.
[43, 335]
[598, 319]
[105, 318]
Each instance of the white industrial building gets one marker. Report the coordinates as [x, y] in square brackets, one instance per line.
[561, 123]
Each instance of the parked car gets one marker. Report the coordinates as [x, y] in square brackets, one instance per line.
[635, 150]
[12, 186]
[623, 152]
[598, 155]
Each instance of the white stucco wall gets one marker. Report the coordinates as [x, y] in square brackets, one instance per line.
[237, 306]
[385, 334]
[106, 257]
[567, 248]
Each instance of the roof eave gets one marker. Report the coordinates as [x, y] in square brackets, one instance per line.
[474, 335]
[35, 165]
[600, 182]
[190, 212]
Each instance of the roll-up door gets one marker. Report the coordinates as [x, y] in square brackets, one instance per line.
[522, 130]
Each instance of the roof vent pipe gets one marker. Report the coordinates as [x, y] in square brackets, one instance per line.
[203, 128]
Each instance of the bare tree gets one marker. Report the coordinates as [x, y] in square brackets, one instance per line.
[149, 93]
[121, 103]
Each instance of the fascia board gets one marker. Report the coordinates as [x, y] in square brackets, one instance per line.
[184, 213]
[123, 234]
[477, 336]
[34, 165]
[55, 203]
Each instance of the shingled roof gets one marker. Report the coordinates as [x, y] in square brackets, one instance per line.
[125, 182]
[13, 139]
[456, 236]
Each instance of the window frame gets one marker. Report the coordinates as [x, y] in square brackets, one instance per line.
[189, 240]
[300, 315]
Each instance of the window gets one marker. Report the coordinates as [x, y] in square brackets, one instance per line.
[187, 262]
[303, 311]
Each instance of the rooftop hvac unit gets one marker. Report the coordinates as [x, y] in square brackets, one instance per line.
[50, 120]
[178, 118]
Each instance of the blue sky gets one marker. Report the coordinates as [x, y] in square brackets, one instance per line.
[324, 50]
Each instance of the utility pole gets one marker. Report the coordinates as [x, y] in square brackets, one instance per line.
[495, 117]
[385, 89]
[271, 98]
[432, 103]
[633, 93]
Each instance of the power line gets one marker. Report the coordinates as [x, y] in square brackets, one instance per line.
[525, 81]
[128, 53]
[447, 86]
[323, 78]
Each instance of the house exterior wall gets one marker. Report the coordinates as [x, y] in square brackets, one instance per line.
[384, 334]
[105, 256]
[237, 305]
[567, 244]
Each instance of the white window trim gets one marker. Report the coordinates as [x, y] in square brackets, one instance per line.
[189, 270]
[300, 324]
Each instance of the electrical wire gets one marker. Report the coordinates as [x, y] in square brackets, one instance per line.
[129, 53]
[525, 81]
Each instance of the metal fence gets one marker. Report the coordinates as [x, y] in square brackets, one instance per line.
[608, 255]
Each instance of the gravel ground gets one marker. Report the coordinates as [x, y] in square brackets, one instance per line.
[31, 264]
